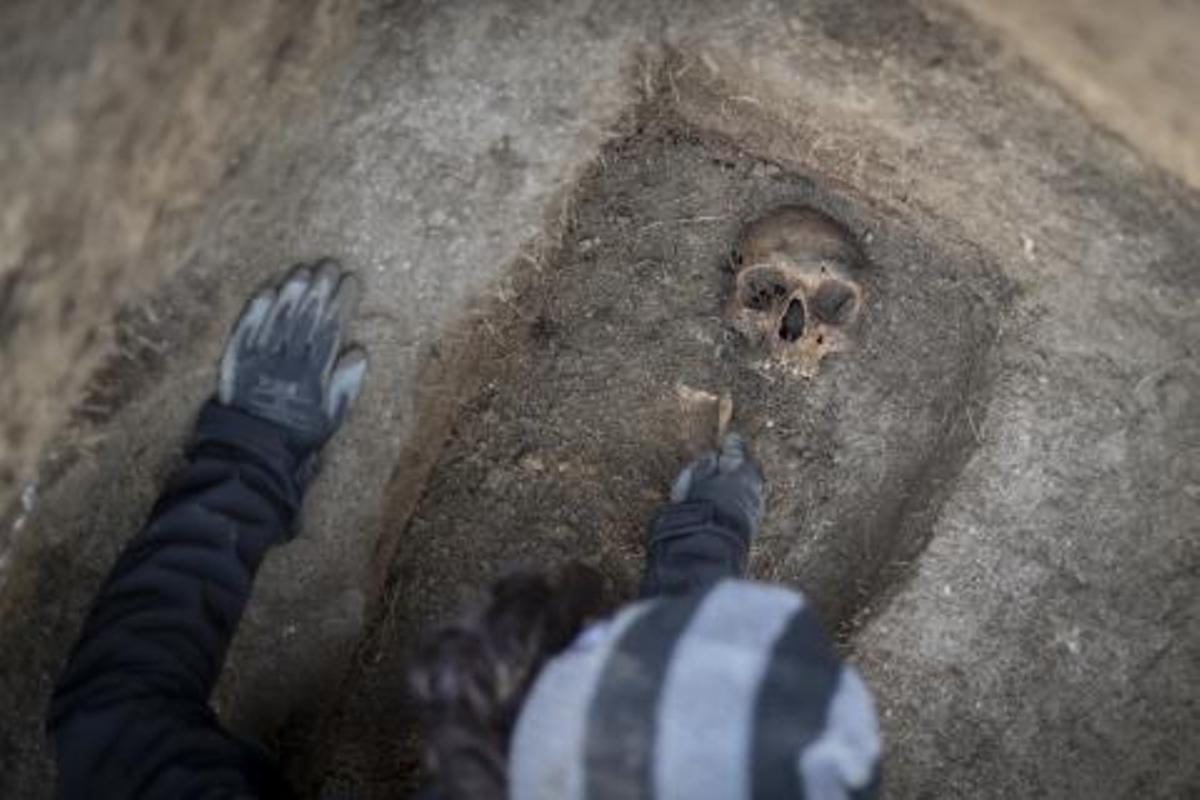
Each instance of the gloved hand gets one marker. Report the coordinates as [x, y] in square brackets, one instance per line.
[731, 480]
[703, 535]
[281, 363]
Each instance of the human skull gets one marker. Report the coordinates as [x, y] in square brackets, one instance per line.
[794, 292]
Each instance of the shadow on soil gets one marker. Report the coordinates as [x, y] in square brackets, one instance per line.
[564, 425]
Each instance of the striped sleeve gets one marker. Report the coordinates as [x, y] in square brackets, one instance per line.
[730, 693]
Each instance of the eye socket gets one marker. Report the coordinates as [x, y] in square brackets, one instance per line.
[761, 288]
[834, 302]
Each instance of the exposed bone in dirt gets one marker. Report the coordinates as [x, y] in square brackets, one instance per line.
[796, 292]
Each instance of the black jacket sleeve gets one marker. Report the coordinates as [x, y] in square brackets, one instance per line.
[130, 714]
[690, 547]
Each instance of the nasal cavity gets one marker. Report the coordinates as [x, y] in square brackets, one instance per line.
[791, 327]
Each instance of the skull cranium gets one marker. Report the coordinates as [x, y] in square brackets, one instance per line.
[794, 292]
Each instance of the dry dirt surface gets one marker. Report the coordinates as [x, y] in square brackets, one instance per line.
[1132, 65]
[992, 493]
[120, 120]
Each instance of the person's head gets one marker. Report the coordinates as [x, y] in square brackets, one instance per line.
[732, 692]
[472, 676]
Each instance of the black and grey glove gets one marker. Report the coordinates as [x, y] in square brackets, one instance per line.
[704, 533]
[731, 480]
[282, 362]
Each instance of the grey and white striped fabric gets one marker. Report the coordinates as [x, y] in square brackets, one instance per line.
[731, 694]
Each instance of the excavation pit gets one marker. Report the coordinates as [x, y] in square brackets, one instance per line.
[573, 426]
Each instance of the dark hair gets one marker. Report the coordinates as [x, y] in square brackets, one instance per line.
[471, 677]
